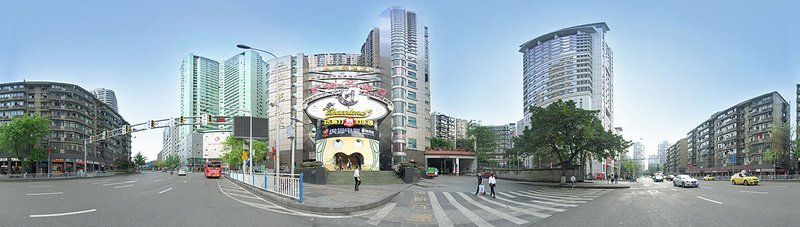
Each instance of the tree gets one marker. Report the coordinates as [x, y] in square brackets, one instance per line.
[172, 161]
[779, 151]
[139, 159]
[567, 134]
[442, 143]
[23, 135]
[483, 138]
[233, 148]
[160, 164]
[465, 144]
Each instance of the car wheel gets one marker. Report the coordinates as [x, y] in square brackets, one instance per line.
[683, 185]
[733, 182]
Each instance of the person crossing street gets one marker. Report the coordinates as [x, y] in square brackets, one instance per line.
[357, 177]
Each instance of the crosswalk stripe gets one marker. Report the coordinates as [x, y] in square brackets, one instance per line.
[528, 212]
[569, 193]
[381, 214]
[537, 197]
[472, 217]
[441, 217]
[510, 218]
[551, 203]
[531, 205]
[566, 194]
[568, 198]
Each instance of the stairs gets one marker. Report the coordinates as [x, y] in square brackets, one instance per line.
[367, 177]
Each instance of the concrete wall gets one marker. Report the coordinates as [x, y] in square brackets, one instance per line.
[535, 175]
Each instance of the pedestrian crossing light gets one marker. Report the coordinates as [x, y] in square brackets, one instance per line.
[181, 120]
[152, 124]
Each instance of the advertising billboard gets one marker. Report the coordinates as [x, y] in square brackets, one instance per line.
[212, 144]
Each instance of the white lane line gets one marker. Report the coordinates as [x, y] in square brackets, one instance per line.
[558, 196]
[581, 195]
[510, 218]
[441, 217]
[61, 214]
[754, 192]
[531, 205]
[472, 216]
[381, 214]
[548, 203]
[240, 195]
[538, 197]
[185, 181]
[165, 190]
[531, 213]
[46, 193]
[157, 180]
[124, 186]
[41, 186]
[673, 189]
[101, 181]
[126, 182]
[776, 186]
[705, 187]
[717, 202]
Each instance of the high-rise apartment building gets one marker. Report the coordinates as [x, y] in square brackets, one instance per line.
[736, 138]
[661, 155]
[243, 85]
[199, 94]
[797, 106]
[638, 156]
[447, 127]
[399, 47]
[286, 91]
[573, 63]
[677, 157]
[324, 59]
[106, 96]
[505, 135]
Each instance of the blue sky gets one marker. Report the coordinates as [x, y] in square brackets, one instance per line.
[675, 63]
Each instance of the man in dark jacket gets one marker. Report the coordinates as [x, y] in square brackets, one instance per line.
[480, 182]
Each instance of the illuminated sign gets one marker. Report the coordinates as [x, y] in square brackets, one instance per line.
[348, 103]
[342, 122]
[349, 132]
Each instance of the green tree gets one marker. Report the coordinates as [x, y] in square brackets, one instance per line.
[484, 140]
[35, 157]
[569, 135]
[779, 151]
[160, 164]
[233, 148]
[23, 135]
[464, 143]
[441, 142]
[139, 159]
[172, 161]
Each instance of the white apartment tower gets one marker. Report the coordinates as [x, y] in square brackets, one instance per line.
[106, 96]
[243, 85]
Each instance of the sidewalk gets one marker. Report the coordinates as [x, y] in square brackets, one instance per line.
[587, 184]
[338, 199]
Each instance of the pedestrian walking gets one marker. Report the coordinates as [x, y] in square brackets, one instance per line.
[573, 181]
[348, 164]
[492, 184]
[480, 183]
[357, 177]
[616, 178]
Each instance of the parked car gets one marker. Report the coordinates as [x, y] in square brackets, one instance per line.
[670, 177]
[685, 180]
[743, 178]
[658, 178]
[708, 178]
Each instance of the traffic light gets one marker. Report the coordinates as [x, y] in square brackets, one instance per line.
[152, 124]
[181, 120]
[210, 118]
[244, 155]
[128, 129]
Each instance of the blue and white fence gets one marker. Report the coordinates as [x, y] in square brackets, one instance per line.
[289, 185]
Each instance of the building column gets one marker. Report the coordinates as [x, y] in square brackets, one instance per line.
[457, 167]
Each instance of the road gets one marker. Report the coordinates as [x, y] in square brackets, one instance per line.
[160, 199]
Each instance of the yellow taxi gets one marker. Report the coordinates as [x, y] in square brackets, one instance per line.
[742, 178]
[708, 178]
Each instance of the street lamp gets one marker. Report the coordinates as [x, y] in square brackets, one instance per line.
[277, 140]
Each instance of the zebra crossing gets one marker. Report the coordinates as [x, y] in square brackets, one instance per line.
[512, 208]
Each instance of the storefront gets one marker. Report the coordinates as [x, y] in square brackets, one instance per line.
[451, 162]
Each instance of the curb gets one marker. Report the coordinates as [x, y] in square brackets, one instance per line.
[57, 178]
[288, 202]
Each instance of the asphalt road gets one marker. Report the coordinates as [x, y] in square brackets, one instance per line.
[150, 199]
[714, 203]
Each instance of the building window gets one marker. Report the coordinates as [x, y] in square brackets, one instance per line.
[412, 95]
[412, 143]
[412, 84]
[412, 107]
[412, 121]
[412, 74]
[412, 66]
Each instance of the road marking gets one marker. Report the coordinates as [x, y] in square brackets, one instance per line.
[532, 205]
[510, 218]
[441, 217]
[381, 214]
[754, 192]
[157, 180]
[185, 181]
[531, 213]
[61, 214]
[126, 182]
[776, 186]
[539, 197]
[717, 202]
[705, 187]
[165, 190]
[46, 193]
[559, 196]
[550, 203]
[472, 217]
[124, 186]
[673, 189]
[565, 194]
[41, 186]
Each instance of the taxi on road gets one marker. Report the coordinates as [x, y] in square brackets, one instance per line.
[742, 178]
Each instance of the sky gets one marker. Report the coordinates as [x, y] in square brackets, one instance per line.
[675, 62]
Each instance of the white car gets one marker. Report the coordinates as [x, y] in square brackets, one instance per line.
[685, 180]
[182, 172]
[658, 178]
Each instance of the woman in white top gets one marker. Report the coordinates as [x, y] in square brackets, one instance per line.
[492, 183]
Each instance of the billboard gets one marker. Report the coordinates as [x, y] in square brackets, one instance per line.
[212, 144]
[241, 127]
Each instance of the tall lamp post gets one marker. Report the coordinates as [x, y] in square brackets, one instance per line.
[277, 140]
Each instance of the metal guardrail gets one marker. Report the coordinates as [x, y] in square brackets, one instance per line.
[289, 185]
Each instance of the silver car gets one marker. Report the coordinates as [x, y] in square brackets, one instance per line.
[685, 180]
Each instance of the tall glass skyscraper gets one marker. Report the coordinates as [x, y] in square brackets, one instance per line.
[399, 47]
[573, 63]
[199, 89]
[244, 85]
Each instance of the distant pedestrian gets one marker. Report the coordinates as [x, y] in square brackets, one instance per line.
[573, 181]
[357, 177]
[616, 178]
[492, 183]
[348, 164]
[480, 183]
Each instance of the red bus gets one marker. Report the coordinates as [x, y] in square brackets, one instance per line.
[213, 168]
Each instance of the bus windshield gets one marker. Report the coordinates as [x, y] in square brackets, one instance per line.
[214, 164]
